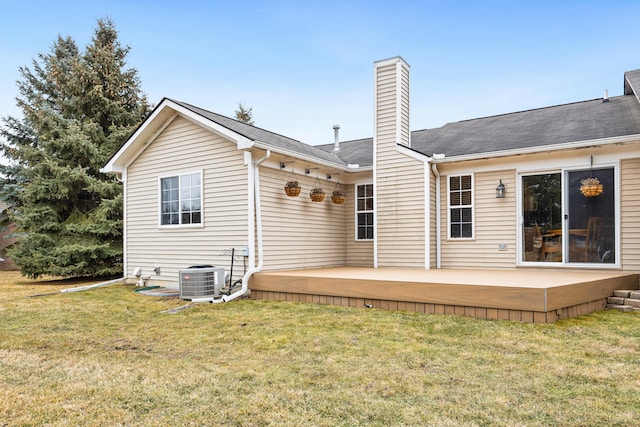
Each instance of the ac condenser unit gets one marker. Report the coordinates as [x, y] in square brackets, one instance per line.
[200, 282]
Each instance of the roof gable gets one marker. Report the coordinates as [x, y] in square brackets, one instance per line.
[244, 135]
[153, 125]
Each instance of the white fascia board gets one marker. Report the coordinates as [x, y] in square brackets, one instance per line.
[617, 140]
[240, 140]
[167, 111]
[400, 148]
[310, 159]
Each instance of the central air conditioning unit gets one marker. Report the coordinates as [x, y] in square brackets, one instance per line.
[200, 282]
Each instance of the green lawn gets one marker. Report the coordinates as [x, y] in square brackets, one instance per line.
[109, 357]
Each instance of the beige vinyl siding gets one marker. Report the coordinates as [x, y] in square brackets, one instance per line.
[299, 233]
[359, 252]
[494, 224]
[400, 180]
[184, 147]
[433, 260]
[400, 212]
[630, 214]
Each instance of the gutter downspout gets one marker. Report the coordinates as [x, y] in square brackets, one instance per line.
[258, 213]
[434, 168]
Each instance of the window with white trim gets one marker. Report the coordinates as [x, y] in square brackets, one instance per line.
[364, 212]
[461, 207]
[181, 199]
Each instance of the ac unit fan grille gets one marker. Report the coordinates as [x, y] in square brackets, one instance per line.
[200, 282]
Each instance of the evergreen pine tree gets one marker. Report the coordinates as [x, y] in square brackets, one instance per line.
[244, 114]
[78, 108]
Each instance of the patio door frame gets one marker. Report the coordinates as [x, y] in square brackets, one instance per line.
[565, 212]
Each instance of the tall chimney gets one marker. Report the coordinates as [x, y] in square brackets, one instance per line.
[391, 169]
[392, 102]
[336, 137]
[606, 96]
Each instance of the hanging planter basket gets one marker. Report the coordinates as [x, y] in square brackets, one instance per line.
[338, 197]
[317, 193]
[590, 187]
[292, 187]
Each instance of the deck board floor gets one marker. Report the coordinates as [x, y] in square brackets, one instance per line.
[524, 290]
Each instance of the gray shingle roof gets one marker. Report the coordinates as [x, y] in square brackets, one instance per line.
[542, 127]
[358, 151]
[256, 134]
[580, 121]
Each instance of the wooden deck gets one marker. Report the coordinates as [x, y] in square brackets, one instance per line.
[526, 295]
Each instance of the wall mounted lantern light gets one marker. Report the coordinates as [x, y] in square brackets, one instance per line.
[501, 189]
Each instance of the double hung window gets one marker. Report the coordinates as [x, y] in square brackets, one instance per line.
[181, 199]
[460, 207]
[364, 212]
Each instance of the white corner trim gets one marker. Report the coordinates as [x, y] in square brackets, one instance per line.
[125, 223]
[399, 102]
[375, 162]
[427, 215]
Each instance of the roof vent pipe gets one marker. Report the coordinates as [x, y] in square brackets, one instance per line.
[336, 137]
[606, 96]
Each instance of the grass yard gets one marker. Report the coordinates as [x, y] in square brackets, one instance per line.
[110, 357]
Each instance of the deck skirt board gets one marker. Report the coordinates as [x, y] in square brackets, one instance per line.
[521, 295]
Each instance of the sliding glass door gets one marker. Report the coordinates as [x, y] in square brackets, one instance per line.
[542, 217]
[569, 218]
[591, 216]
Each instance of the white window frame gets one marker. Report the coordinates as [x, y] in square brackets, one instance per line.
[179, 176]
[471, 206]
[366, 211]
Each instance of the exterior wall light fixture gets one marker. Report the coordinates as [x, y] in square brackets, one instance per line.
[501, 189]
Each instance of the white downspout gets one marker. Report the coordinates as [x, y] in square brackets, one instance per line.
[434, 168]
[258, 213]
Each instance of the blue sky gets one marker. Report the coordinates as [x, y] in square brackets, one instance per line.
[304, 66]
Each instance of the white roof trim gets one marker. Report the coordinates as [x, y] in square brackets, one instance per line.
[133, 147]
[264, 146]
[240, 140]
[401, 148]
[545, 148]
